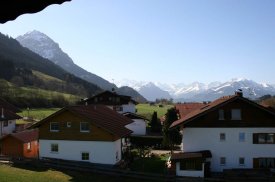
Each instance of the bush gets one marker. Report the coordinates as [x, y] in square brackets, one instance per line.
[141, 141]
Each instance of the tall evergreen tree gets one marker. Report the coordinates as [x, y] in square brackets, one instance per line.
[171, 137]
[155, 123]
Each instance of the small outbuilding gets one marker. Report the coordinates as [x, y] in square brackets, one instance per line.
[21, 145]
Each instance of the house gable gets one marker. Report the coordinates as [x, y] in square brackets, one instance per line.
[73, 132]
[252, 114]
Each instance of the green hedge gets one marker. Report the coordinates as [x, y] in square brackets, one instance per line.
[141, 141]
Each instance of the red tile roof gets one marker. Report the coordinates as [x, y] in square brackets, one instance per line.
[203, 109]
[186, 108]
[99, 115]
[24, 136]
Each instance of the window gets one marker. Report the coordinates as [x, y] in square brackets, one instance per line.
[222, 136]
[85, 156]
[6, 123]
[221, 114]
[54, 126]
[54, 147]
[191, 164]
[235, 114]
[222, 161]
[264, 163]
[118, 108]
[69, 124]
[270, 138]
[241, 137]
[241, 161]
[29, 146]
[84, 127]
[263, 138]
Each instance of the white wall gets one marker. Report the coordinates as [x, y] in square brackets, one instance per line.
[189, 173]
[99, 152]
[8, 129]
[195, 139]
[129, 108]
[138, 127]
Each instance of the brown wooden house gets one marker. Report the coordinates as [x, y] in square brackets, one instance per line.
[21, 145]
[89, 133]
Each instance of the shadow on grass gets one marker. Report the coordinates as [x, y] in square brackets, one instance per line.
[150, 165]
[74, 175]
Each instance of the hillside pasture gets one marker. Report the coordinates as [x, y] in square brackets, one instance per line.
[147, 110]
[37, 113]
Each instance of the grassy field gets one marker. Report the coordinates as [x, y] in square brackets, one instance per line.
[147, 110]
[38, 113]
[28, 174]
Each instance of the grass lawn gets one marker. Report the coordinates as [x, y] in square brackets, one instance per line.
[147, 111]
[150, 164]
[38, 113]
[19, 174]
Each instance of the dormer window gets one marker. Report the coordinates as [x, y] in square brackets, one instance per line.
[236, 114]
[221, 114]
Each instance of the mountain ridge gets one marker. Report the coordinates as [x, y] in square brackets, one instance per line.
[43, 45]
[198, 91]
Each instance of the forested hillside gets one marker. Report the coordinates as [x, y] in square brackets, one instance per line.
[20, 67]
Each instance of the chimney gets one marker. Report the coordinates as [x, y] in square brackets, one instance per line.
[2, 115]
[239, 92]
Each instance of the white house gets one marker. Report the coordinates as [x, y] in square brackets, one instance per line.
[236, 132]
[138, 126]
[91, 133]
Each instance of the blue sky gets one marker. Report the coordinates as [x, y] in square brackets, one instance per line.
[168, 41]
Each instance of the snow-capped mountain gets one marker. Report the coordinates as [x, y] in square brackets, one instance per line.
[197, 91]
[44, 46]
[147, 89]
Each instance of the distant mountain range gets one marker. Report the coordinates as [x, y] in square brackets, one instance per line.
[139, 90]
[199, 91]
[47, 48]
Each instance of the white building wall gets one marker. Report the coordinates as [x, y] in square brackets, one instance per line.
[129, 108]
[138, 127]
[7, 129]
[189, 173]
[99, 151]
[195, 139]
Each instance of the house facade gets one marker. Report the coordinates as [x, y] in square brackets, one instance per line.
[119, 103]
[91, 133]
[20, 145]
[238, 133]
